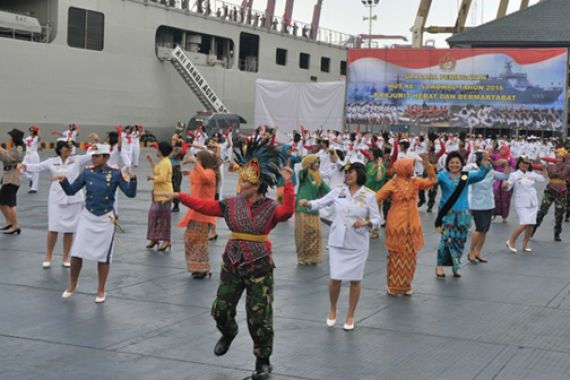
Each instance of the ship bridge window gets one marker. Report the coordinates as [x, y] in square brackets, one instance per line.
[342, 67]
[281, 57]
[85, 29]
[248, 52]
[304, 61]
[325, 64]
[203, 49]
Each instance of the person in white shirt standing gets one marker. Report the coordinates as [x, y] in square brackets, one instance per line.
[523, 181]
[70, 135]
[126, 146]
[63, 210]
[356, 214]
[136, 145]
[32, 143]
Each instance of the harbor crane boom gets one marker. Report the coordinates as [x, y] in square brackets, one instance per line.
[419, 27]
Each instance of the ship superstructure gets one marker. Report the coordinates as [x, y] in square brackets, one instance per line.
[99, 63]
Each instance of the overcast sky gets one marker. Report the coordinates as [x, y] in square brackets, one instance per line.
[394, 16]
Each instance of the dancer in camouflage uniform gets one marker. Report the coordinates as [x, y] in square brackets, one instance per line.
[556, 191]
[247, 262]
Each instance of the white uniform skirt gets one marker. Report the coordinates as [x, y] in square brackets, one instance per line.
[527, 215]
[347, 264]
[95, 238]
[64, 218]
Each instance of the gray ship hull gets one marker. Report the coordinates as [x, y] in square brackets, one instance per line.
[52, 84]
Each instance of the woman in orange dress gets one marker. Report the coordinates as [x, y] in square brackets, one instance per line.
[203, 181]
[404, 235]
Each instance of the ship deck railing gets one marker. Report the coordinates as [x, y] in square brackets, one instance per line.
[256, 19]
[18, 34]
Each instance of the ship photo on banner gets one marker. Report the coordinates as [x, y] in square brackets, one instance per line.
[522, 89]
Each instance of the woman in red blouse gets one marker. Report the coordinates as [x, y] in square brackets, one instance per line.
[203, 180]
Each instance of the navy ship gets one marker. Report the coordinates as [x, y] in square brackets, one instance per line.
[516, 83]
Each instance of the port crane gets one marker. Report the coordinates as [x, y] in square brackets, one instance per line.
[419, 27]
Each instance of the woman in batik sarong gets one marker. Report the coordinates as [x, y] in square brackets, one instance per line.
[308, 239]
[247, 262]
[404, 235]
[203, 181]
[158, 228]
[501, 160]
[456, 222]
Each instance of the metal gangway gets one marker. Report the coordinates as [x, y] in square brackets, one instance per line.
[196, 81]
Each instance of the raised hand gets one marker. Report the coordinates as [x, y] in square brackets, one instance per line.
[286, 173]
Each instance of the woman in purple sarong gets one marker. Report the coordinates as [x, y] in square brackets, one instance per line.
[501, 160]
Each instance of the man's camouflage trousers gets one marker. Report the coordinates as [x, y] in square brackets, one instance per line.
[259, 299]
[559, 209]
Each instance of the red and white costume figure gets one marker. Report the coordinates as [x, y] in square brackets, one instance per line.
[126, 146]
[32, 143]
[136, 145]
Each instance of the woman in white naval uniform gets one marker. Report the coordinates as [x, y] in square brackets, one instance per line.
[32, 157]
[356, 214]
[63, 210]
[523, 181]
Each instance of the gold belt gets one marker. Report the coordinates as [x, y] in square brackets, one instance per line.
[249, 237]
[558, 181]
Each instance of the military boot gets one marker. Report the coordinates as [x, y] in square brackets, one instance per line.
[223, 345]
[262, 369]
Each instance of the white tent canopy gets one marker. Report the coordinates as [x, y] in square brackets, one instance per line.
[292, 105]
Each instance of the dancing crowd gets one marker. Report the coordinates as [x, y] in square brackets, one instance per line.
[357, 183]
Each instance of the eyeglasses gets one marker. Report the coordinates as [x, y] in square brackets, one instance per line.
[96, 155]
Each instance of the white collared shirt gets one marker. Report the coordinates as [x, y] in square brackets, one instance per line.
[71, 169]
[348, 209]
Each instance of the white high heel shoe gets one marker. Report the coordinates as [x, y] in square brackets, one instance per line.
[513, 250]
[331, 322]
[348, 327]
[101, 299]
[46, 264]
[67, 294]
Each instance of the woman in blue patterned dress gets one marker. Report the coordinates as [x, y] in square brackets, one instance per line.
[456, 222]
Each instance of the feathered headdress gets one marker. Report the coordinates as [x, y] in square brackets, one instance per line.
[259, 162]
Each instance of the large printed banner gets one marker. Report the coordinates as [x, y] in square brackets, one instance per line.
[466, 88]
